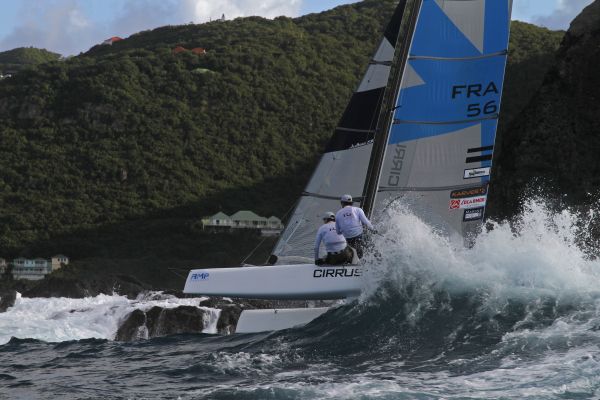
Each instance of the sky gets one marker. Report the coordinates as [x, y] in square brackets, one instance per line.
[69, 27]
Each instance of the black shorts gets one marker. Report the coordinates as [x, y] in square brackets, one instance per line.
[343, 257]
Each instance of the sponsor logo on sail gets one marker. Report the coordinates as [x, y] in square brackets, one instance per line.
[397, 164]
[337, 272]
[471, 202]
[471, 192]
[474, 214]
[202, 276]
[477, 172]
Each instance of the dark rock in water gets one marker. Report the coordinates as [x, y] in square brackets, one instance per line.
[555, 141]
[59, 287]
[159, 321]
[133, 328]
[183, 319]
[7, 299]
[228, 319]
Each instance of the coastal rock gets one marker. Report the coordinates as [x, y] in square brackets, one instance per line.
[555, 141]
[228, 319]
[7, 299]
[56, 286]
[133, 328]
[160, 321]
[59, 287]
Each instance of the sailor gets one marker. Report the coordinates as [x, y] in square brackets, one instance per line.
[338, 251]
[349, 222]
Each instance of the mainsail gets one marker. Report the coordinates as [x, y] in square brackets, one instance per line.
[440, 142]
[421, 126]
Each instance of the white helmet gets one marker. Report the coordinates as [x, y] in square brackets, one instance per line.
[329, 216]
[346, 198]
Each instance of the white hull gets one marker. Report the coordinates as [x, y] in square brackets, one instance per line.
[278, 282]
[252, 321]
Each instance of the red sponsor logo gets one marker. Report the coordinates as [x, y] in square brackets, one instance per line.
[471, 202]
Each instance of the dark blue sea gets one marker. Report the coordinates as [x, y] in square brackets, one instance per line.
[515, 317]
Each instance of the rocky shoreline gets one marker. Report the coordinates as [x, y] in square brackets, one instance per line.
[155, 322]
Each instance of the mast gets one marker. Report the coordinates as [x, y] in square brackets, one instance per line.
[386, 117]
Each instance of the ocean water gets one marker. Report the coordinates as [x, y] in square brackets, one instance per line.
[515, 317]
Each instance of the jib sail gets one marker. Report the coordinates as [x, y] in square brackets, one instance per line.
[343, 167]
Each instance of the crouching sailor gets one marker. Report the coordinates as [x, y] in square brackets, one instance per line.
[338, 251]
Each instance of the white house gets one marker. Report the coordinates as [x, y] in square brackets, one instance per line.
[35, 269]
[243, 220]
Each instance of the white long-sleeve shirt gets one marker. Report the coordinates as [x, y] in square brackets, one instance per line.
[349, 221]
[333, 241]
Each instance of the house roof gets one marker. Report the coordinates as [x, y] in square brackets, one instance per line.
[112, 40]
[273, 218]
[246, 215]
[220, 215]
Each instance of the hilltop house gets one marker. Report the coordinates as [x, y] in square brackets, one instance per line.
[58, 261]
[33, 269]
[243, 220]
[112, 40]
[196, 50]
[30, 269]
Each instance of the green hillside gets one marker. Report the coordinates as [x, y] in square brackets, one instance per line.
[16, 59]
[118, 152]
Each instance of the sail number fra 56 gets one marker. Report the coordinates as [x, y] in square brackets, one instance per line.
[476, 90]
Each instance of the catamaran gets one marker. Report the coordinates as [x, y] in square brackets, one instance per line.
[419, 129]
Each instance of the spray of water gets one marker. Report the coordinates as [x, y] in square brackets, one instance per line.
[538, 255]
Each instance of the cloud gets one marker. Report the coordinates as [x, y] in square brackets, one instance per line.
[55, 25]
[564, 13]
[69, 27]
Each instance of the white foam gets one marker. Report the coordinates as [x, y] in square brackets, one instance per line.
[540, 258]
[64, 319]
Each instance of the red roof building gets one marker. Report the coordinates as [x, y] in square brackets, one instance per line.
[112, 40]
[199, 50]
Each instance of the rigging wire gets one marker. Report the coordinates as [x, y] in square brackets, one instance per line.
[266, 237]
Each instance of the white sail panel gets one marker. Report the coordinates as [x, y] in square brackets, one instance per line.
[338, 172]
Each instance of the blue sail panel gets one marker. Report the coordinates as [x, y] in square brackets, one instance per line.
[453, 90]
[459, 28]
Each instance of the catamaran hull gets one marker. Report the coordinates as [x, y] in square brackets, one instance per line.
[253, 321]
[278, 282]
